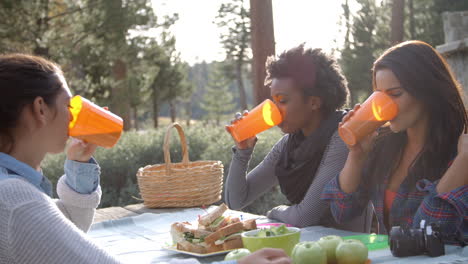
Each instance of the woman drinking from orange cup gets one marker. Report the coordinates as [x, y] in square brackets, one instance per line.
[415, 168]
[34, 120]
[94, 124]
[308, 89]
[373, 113]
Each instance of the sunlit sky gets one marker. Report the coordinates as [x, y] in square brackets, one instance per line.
[315, 22]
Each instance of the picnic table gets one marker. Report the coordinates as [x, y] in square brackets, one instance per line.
[136, 234]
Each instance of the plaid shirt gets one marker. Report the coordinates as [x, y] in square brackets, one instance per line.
[449, 209]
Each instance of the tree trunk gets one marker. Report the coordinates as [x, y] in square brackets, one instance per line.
[42, 26]
[155, 108]
[135, 117]
[348, 24]
[397, 21]
[263, 44]
[188, 107]
[411, 19]
[155, 114]
[172, 110]
[240, 85]
[120, 104]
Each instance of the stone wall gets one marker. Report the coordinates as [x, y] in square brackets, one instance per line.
[455, 48]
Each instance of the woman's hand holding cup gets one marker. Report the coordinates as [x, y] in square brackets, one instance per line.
[247, 143]
[362, 147]
[80, 151]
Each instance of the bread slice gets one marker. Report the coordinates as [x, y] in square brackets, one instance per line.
[225, 231]
[250, 224]
[191, 247]
[214, 248]
[222, 222]
[178, 229]
[212, 238]
[235, 242]
[231, 229]
[201, 233]
[211, 216]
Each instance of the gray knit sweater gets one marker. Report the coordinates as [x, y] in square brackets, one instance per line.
[242, 188]
[37, 229]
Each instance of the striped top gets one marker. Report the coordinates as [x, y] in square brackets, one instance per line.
[243, 188]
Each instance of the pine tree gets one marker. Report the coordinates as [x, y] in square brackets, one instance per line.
[233, 17]
[357, 56]
[217, 100]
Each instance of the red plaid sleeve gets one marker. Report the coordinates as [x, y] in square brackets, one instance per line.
[448, 210]
[344, 206]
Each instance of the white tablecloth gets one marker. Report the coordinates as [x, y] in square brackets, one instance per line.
[140, 239]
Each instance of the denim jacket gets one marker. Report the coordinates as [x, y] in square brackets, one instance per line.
[81, 177]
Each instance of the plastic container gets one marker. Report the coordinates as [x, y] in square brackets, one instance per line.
[372, 241]
[286, 241]
[261, 118]
[373, 113]
[93, 123]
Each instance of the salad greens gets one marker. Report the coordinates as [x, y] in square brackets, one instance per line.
[273, 231]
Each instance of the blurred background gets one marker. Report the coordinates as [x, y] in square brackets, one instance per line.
[198, 62]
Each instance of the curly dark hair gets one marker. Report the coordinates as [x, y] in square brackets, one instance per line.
[315, 72]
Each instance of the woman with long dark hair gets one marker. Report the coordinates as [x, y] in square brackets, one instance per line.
[416, 168]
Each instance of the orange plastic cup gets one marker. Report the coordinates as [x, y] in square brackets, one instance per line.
[261, 118]
[93, 123]
[373, 113]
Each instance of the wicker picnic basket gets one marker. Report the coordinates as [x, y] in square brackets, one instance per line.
[185, 184]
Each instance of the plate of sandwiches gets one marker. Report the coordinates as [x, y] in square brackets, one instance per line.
[214, 234]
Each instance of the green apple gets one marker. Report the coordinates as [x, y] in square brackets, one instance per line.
[308, 252]
[329, 244]
[351, 251]
[237, 254]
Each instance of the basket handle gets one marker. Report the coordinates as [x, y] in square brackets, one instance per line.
[183, 143]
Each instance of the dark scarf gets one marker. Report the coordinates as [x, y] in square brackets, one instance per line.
[301, 157]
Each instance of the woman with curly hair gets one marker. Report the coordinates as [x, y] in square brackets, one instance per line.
[416, 168]
[309, 89]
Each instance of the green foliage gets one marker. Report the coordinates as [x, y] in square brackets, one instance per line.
[234, 19]
[368, 35]
[102, 48]
[198, 76]
[217, 100]
[428, 19]
[357, 56]
[134, 150]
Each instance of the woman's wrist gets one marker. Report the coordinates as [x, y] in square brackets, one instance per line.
[357, 158]
[350, 176]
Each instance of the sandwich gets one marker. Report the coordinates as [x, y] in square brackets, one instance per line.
[215, 220]
[229, 236]
[215, 232]
[189, 238]
[185, 231]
